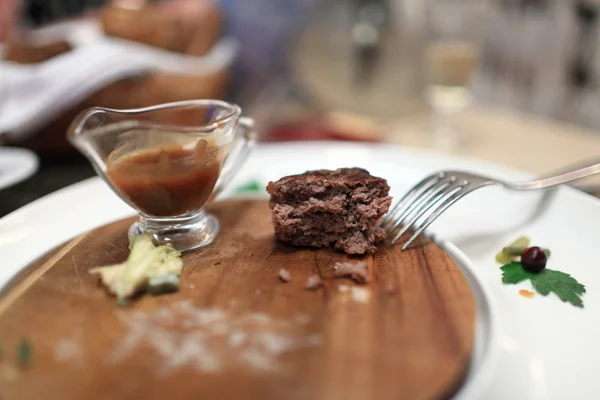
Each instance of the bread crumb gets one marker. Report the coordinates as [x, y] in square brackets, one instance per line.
[360, 295]
[192, 286]
[357, 271]
[285, 275]
[314, 282]
[526, 293]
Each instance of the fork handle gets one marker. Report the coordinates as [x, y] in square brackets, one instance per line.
[560, 177]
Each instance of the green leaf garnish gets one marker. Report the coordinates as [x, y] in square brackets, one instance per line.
[24, 352]
[563, 285]
[515, 273]
[252, 186]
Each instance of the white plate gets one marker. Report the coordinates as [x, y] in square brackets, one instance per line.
[16, 165]
[536, 348]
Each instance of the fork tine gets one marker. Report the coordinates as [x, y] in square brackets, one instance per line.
[421, 200]
[414, 192]
[435, 213]
[440, 197]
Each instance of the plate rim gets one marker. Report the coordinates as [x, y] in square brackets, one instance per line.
[437, 158]
[29, 166]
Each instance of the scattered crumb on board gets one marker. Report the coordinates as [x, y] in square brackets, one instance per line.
[314, 282]
[285, 275]
[358, 271]
[211, 340]
[526, 293]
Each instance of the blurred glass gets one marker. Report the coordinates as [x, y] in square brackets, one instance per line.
[452, 52]
[265, 29]
[360, 57]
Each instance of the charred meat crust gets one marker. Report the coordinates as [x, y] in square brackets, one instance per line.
[325, 208]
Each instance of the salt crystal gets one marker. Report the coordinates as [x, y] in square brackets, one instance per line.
[236, 338]
[312, 340]
[218, 329]
[183, 306]
[164, 315]
[314, 282]
[208, 316]
[302, 319]
[259, 360]
[68, 350]
[360, 295]
[259, 317]
[391, 289]
[195, 337]
[9, 372]
[275, 344]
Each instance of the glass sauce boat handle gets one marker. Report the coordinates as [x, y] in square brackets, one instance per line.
[245, 138]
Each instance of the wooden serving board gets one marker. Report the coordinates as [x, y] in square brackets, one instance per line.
[234, 330]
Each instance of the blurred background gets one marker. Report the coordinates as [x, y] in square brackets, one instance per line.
[512, 81]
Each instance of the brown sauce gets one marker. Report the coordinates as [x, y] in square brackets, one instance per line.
[167, 181]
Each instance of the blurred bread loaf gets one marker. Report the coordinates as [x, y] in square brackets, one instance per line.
[27, 52]
[132, 92]
[185, 26]
[188, 27]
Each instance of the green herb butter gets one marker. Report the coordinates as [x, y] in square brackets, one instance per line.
[145, 263]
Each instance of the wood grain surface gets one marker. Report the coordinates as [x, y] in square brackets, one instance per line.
[235, 330]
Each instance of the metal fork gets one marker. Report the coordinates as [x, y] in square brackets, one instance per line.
[429, 198]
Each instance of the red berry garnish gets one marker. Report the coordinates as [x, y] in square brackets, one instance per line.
[534, 259]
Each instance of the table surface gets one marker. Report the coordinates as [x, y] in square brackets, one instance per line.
[519, 141]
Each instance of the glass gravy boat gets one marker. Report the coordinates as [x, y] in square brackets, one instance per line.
[166, 162]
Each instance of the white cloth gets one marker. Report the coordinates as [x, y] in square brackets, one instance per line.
[32, 94]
